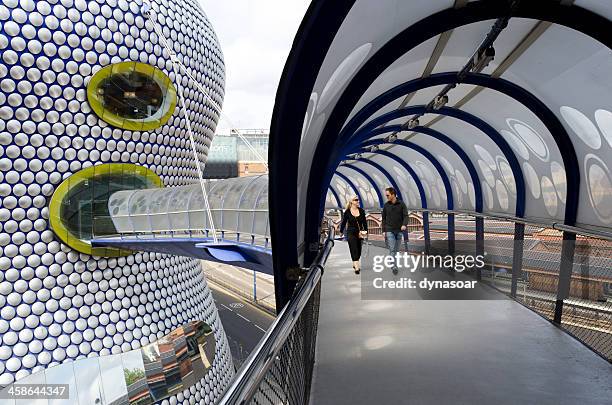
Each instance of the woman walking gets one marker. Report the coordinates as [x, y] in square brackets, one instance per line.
[354, 220]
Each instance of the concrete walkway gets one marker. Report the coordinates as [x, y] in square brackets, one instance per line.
[444, 352]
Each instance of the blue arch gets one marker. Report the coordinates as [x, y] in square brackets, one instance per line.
[418, 183]
[434, 162]
[381, 200]
[448, 141]
[450, 203]
[548, 118]
[335, 194]
[351, 184]
[365, 132]
[383, 171]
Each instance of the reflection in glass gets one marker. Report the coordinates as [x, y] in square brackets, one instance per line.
[114, 389]
[132, 95]
[182, 355]
[88, 381]
[63, 374]
[205, 342]
[81, 205]
[86, 204]
[139, 377]
[135, 378]
[170, 364]
[154, 371]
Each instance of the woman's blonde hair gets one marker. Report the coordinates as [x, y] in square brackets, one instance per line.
[348, 204]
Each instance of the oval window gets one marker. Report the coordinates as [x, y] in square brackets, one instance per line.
[79, 207]
[132, 95]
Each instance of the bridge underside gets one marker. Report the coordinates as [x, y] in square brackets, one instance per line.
[231, 252]
[437, 352]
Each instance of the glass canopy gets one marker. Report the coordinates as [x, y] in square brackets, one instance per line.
[237, 205]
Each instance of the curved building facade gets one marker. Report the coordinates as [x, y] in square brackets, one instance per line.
[86, 83]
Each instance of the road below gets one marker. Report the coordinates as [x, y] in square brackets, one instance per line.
[241, 281]
[244, 323]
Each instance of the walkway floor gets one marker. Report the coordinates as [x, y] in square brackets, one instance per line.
[444, 352]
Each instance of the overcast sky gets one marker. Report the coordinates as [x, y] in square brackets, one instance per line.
[256, 37]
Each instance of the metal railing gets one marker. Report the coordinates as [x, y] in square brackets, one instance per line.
[279, 370]
[249, 238]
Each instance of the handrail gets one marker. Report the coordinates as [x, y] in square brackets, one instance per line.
[595, 233]
[247, 381]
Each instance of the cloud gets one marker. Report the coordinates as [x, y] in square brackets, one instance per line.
[256, 37]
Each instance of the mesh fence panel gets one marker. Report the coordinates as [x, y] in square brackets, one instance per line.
[539, 275]
[465, 228]
[587, 312]
[288, 380]
[438, 228]
[498, 250]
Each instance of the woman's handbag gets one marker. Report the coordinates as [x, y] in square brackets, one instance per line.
[362, 234]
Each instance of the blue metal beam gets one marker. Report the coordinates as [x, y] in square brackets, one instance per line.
[311, 44]
[365, 133]
[418, 183]
[448, 141]
[447, 186]
[309, 49]
[381, 200]
[383, 171]
[335, 194]
[479, 222]
[245, 255]
[547, 116]
[350, 183]
[432, 159]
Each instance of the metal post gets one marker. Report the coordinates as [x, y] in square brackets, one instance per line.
[426, 231]
[451, 234]
[568, 248]
[479, 243]
[517, 256]
[254, 286]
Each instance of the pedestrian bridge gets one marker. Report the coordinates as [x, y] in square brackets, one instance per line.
[493, 121]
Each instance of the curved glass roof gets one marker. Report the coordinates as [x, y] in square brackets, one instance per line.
[237, 205]
[528, 134]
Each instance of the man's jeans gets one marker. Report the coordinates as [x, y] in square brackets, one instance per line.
[393, 240]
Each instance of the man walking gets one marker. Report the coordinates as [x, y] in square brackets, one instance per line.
[394, 222]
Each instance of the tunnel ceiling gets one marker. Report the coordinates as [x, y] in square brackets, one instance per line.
[527, 135]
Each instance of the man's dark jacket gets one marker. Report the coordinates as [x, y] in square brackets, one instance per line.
[394, 216]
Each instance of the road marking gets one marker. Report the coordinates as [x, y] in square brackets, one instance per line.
[222, 290]
[236, 305]
[243, 317]
[259, 327]
[240, 315]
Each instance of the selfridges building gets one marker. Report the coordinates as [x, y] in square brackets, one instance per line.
[100, 96]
